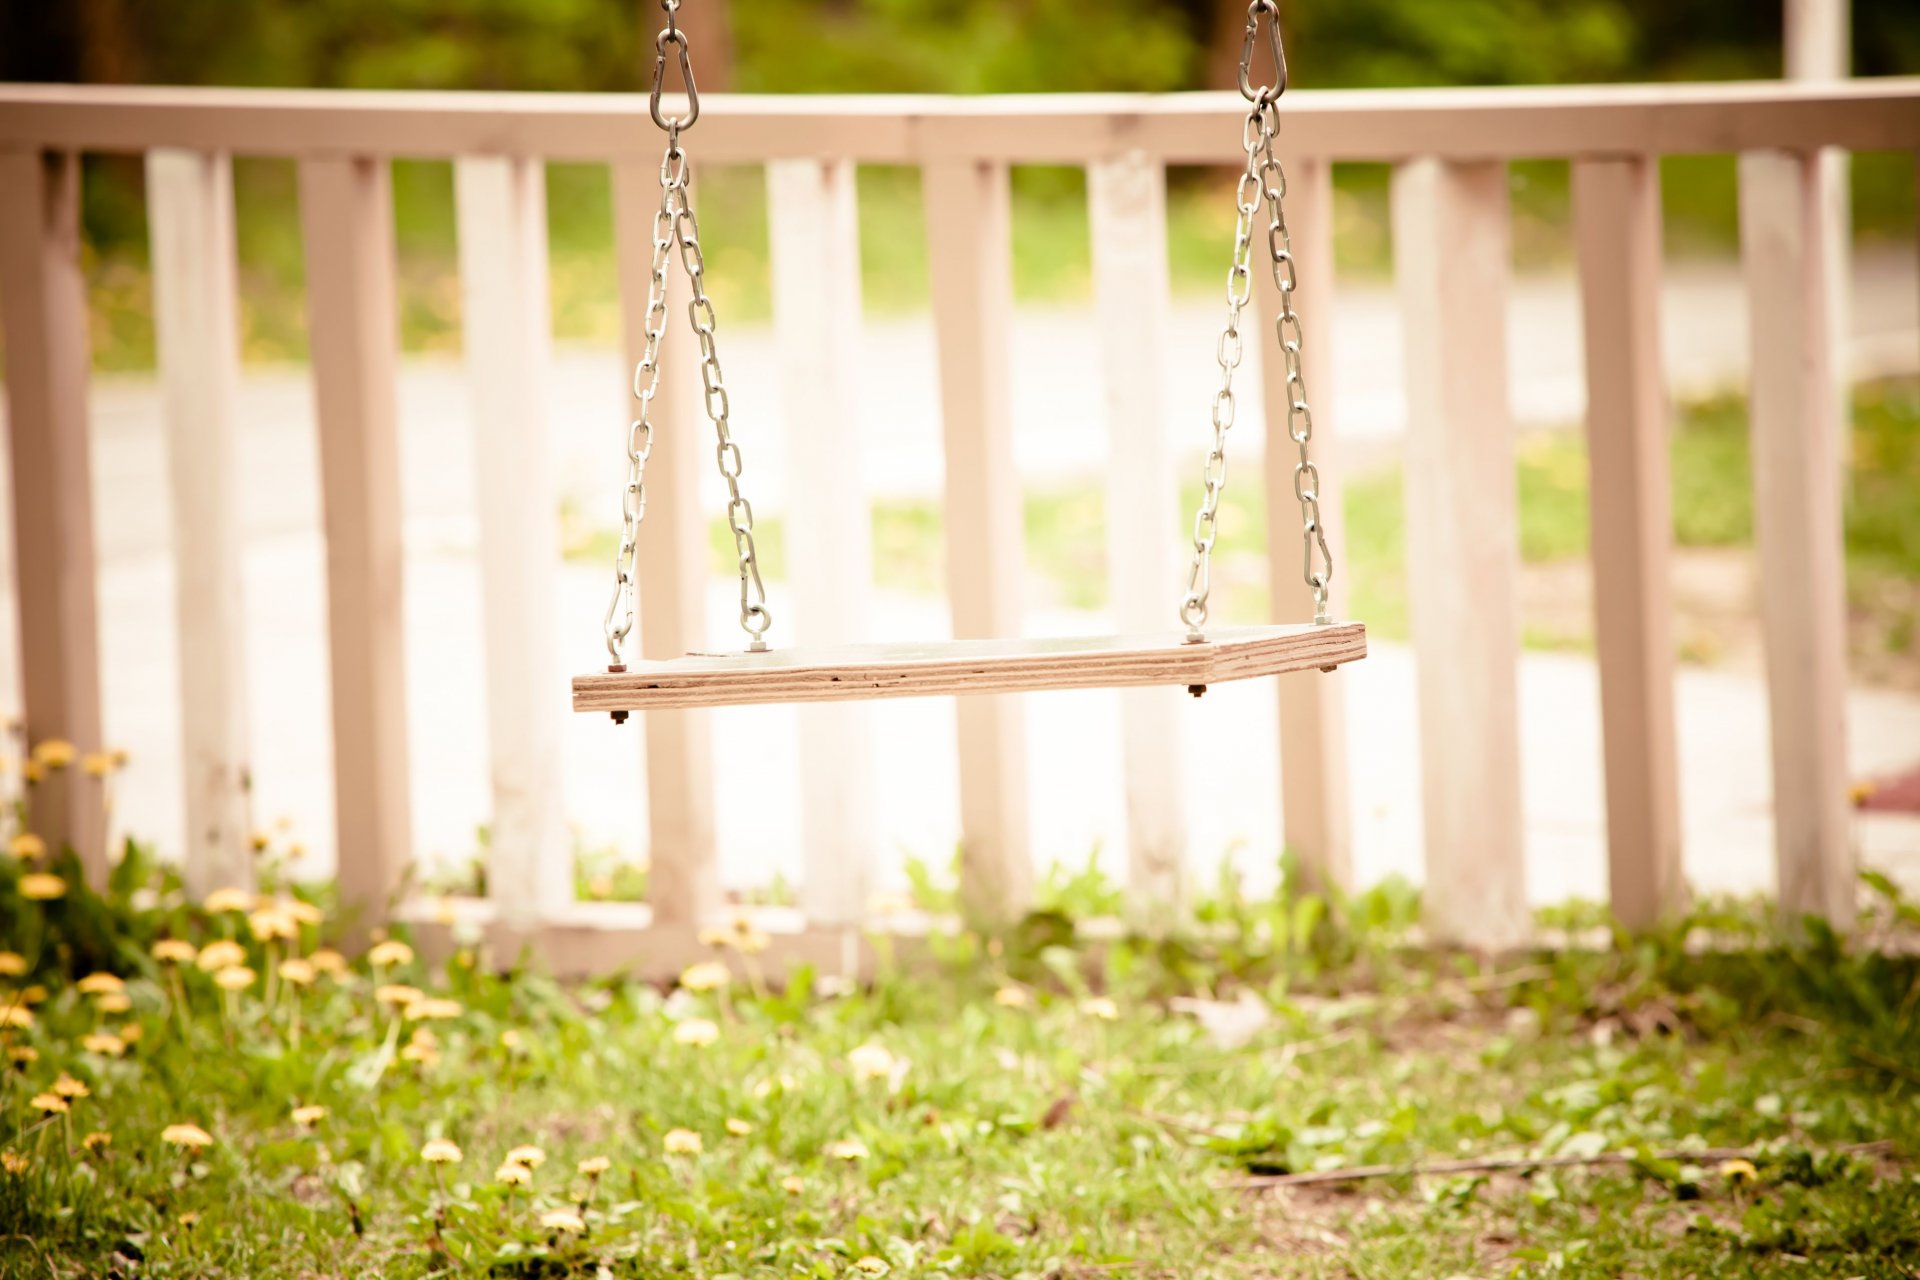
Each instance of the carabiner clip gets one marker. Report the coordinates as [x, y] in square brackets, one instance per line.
[1262, 94]
[673, 36]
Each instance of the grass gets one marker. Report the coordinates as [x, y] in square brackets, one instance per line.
[1712, 509]
[1007, 1107]
[1051, 247]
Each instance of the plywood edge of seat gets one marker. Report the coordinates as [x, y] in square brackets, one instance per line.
[961, 667]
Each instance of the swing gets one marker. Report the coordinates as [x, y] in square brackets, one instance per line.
[1194, 658]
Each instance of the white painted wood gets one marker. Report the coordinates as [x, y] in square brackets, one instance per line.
[1184, 128]
[1819, 50]
[1315, 810]
[190, 221]
[971, 667]
[970, 252]
[502, 204]
[346, 215]
[1616, 205]
[1797, 526]
[1127, 214]
[813, 220]
[43, 306]
[684, 882]
[1451, 257]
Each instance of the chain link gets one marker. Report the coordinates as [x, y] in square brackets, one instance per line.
[1263, 182]
[675, 224]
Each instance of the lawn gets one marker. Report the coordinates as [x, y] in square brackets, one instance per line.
[187, 1099]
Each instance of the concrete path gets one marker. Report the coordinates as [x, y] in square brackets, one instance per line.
[1231, 783]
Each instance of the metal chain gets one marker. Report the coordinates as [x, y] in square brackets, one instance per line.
[673, 222]
[1262, 182]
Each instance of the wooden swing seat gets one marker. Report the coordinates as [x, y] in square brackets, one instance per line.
[959, 667]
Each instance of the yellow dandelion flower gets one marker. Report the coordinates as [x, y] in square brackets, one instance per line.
[752, 942]
[33, 771]
[12, 964]
[51, 1104]
[238, 978]
[1100, 1007]
[131, 1032]
[309, 1116]
[871, 1266]
[792, 1185]
[513, 1175]
[714, 937]
[421, 1049]
[23, 1054]
[97, 764]
[698, 1032]
[398, 993]
[529, 1155]
[432, 1009]
[41, 887]
[1011, 998]
[96, 984]
[174, 951]
[871, 1062]
[266, 923]
[97, 1141]
[563, 1220]
[113, 1002]
[302, 911]
[737, 1127]
[440, 1151]
[682, 1142]
[260, 841]
[189, 1218]
[191, 1137]
[27, 846]
[1739, 1171]
[223, 954]
[104, 1043]
[594, 1166]
[14, 1163]
[35, 994]
[73, 1090]
[391, 952]
[848, 1149]
[327, 960]
[510, 1040]
[709, 975]
[222, 901]
[298, 972]
[54, 753]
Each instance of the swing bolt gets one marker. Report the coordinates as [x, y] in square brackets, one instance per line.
[615, 668]
[1196, 689]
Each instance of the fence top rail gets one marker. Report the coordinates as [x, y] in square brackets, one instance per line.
[1376, 124]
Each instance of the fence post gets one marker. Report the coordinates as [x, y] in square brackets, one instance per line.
[683, 883]
[502, 204]
[813, 220]
[1313, 706]
[43, 304]
[1450, 253]
[190, 218]
[1797, 526]
[970, 252]
[1616, 206]
[346, 214]
[1127, 214]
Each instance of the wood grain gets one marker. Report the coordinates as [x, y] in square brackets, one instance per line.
[970, 667]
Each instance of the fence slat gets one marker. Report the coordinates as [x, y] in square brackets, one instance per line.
[1796, 512]
[43, 304]
[970, 252]
[1318, 826]
[684, 881]
[346, 215]
[1616, 203]
[1127, 213]
[190, 216]
[1450, 253]
[814, 224]
[502, 205]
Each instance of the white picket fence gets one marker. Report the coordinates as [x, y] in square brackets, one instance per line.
[1449, 149]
